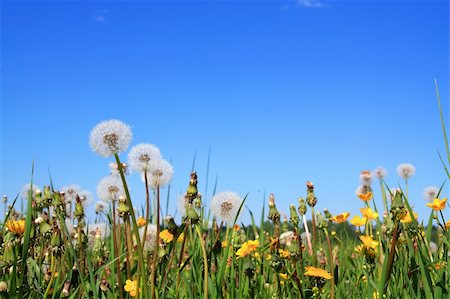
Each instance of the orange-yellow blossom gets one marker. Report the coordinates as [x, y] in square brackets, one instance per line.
[340, 217]
[437, 204]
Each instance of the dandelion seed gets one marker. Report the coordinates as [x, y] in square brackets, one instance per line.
[160, 173]
[110, 137]
[406, 170]
[150, 239]
[141, 156]
[100, 206]
[366, 178]
[26, 190]
[225, 205]
[110, 188]
[430, 193]
[380, 172]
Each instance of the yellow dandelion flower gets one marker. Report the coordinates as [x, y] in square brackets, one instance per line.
[369, 242]
[180, 238]
[317, 272]
[141, 222]
[437, 204]
[268, 257]
[284, 253]
[407, 218]
[283, 276]
[236, 227]
[365, 196]
[358, 221]
[247, 248]
[166, 236]
[369, 213]
[340, 218]
[16, 226]
[131, 287]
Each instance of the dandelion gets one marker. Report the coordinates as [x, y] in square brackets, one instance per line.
[160, 173]
[180, 238]
[100, 206]
[366, 178]
[283, 276]
[369, 213]
[110, 137]
[150, 238]
[114, 169]
[407, 218]
[166, 236]
[141, 221]
[141, 156]
[406, 170]
[16, 226]
[70, 192]
[317, 272]
[98, 229]
[358, 221]
[364, 192]
[247, 248]
[110, 188]
[437, 204]
[286, 237]
[430, 193]
[182, 203]
[340, 217]
[131, 286]
[284, 253]
[225, 205]
[26, 190]
[380, 172]
[369, 242]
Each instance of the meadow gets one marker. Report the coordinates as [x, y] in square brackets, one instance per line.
[51, 250]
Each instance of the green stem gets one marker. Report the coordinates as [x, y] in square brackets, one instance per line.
[205, 263]
[155, 252]
[147, 207]
[330, 256]
[135, 229]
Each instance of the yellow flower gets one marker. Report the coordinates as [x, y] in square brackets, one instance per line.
[236, 227]
[268, 257]
[247, 248]
[284, 253]
[131, 287]
[365, 196]
[447, 224]
[407, 218]
[16, 226]
[368, 213]
[317, 272]
[358, 221]
[166, 236]
[224, 244]
[437, 204]
[369, 242]
[283, 276]
[141, 222]
[180, 238]
[340, 218]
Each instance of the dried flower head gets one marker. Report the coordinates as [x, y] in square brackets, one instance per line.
[110, 137]
[110, 188]
[26, 189]
[142, 155]
[430, 193]
[380, 172]
[225, 205]
[100, 206]
[150, 239]
[406, 170]
[366, 178]
[160, 173]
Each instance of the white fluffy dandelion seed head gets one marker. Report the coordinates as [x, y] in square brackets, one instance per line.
[150, 240]
[433, 247]
[110, 137]
[100, 206]
[182, 204]
[365, 178]
[26, 189]
[110, 188]
[142, 155]
[101, 228]
[286, 237]
[70, 192]
[160, 173]
[225, 205]
[406, 170]
[430, 193]
[380, 172]
[85, 197]
[362, 189]
[114, 169]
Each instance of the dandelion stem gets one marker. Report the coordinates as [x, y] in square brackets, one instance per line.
[308, 238]
[205, 263]
[147, 207]
[116, 250]
[330, 256]
[155, 252]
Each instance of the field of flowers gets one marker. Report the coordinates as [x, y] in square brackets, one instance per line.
[53, 251]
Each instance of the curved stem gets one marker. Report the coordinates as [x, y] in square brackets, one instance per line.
[205, 263]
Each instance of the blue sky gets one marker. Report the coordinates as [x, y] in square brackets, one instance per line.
[281, 92]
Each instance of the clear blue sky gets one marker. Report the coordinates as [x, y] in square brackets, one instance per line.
[281, 91]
